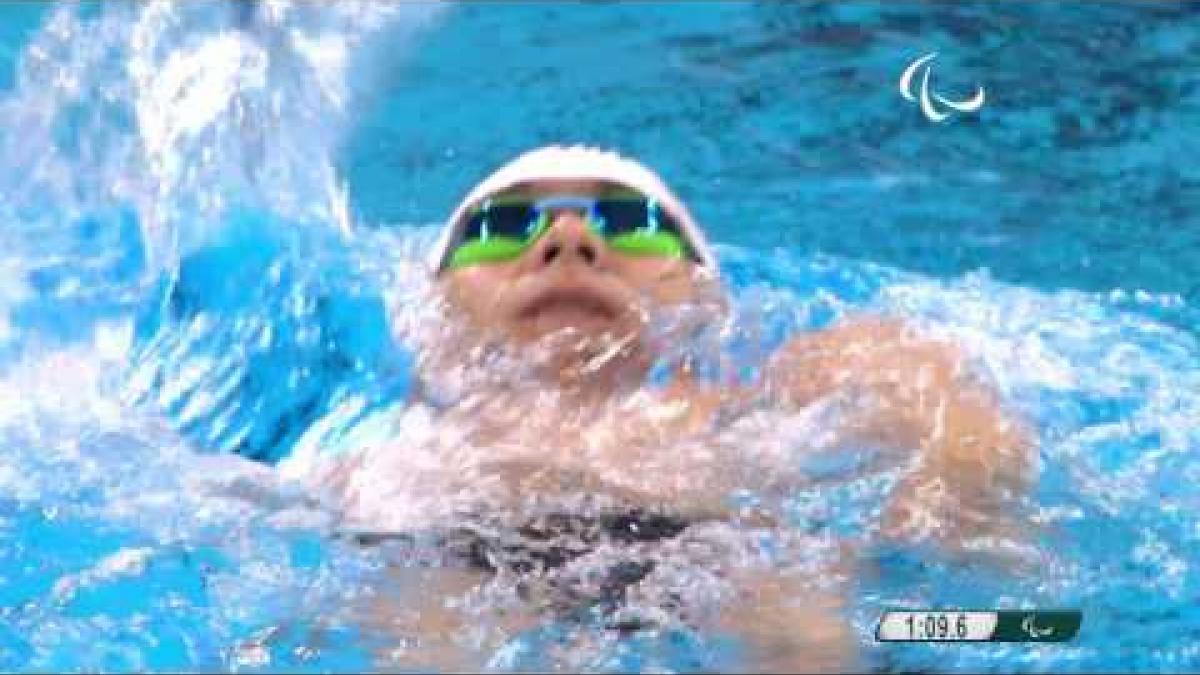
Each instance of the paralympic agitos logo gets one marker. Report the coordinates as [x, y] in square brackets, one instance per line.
[934, 105]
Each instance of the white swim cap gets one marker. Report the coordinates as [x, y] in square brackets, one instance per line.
[578, 162]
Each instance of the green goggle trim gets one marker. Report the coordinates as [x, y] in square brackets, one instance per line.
[492, 247]
[491, 250]
[499, 248]
[646, 242]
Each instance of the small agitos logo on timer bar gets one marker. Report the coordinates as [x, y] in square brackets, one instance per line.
[933, 104]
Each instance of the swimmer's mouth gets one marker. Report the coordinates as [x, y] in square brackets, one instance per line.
[570, 301]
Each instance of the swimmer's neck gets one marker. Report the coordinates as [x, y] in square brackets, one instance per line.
[587, 384]
[589, 391]
[582, 393]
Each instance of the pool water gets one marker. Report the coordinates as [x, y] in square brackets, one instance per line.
[215, 214]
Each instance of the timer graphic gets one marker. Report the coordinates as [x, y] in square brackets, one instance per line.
[935, 625]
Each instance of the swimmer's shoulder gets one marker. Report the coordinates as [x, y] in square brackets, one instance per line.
[713, 406]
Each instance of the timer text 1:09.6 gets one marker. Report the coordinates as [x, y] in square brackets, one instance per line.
[928, 626]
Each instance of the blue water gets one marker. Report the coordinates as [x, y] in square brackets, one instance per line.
[191, 274]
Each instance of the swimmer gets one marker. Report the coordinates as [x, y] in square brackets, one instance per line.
[552, 275]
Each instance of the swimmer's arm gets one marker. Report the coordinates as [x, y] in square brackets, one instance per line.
[427, 621]
[787, 623]
[975, 458]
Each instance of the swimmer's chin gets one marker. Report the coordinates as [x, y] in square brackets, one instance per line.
[583, 305]
[571, 333]
[570, 327]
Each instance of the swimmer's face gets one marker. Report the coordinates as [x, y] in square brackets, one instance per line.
[569, 280]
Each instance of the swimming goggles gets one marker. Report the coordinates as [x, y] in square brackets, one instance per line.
[502, 228]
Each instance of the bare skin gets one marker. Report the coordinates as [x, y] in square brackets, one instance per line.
[589, 425]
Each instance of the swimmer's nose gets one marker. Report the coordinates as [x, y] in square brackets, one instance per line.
[567, 241]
